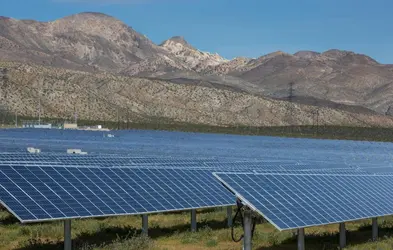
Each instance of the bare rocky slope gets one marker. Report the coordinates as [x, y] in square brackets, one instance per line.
[197, 60]
[105, 96]
[86, 41]
[89, 49]
[338, 76]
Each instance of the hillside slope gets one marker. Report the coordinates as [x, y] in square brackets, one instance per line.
[338, 76]
[96, 43]
[106, 96]
[85, 41]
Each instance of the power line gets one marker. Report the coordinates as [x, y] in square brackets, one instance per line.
[291, 96]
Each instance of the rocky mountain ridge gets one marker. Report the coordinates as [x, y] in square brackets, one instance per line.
[197, 60]
[96, 43]
[105, 96]
[88, 41]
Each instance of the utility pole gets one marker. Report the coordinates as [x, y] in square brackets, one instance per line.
[118, 119]
[75, 114]
[317, 114]
[90, 106]
[39, 103]
[128, 117]
[39, 110]
[291, 108]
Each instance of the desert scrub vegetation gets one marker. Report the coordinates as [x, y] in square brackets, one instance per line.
[171, 231]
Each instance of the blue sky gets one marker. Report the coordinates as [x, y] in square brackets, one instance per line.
[240, 27]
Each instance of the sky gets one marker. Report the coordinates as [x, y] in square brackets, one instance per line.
[235, 28]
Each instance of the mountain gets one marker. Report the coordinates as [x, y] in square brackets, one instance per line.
[105, 96]
[87, 41]
[100, 48]
[338, 76]
[197, 60]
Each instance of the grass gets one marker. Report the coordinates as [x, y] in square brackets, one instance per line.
[306, 131]
[171, 231]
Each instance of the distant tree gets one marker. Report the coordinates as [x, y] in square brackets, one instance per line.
[4, 114]
[390, 111]
[4, 74]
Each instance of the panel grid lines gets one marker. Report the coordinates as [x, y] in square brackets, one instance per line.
[54, 193]
[291, 201]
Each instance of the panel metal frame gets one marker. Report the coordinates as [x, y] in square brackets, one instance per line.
[106, 215]
[252, 207]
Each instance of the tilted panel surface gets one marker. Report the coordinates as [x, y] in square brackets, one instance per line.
[348, 171]
[176, 144]
[52, 193]
[292, 201]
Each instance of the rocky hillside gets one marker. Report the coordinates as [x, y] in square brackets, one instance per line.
[86, 41]
[104, 96]
[100, 46]
[195, 59]
[337, 76]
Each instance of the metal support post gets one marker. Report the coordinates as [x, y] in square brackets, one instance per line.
[247, 221]
[193, 221]
[67, 235]
[343, 240]
[300, 239]
[145, 224]
[375, 229]
[229, 215]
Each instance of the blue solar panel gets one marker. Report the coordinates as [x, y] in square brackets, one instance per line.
[159, 143]
[292, 201]
[378, 170]
[53, 193]
[348, 171]
[119, 160]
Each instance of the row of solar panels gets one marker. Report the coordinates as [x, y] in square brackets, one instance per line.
[188, 163]
[40, 187]
[142, 143]
[296, 200]
[40, 193]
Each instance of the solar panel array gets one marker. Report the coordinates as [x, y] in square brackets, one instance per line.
[176, 144]
[291, 201]
[146, 171]
[53, 193]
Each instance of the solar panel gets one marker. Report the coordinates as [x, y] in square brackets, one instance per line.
[149, 162]
[153, 143]
[291, 201]
[348, 171]
[51, 193]
[110, 161]
[378, 170]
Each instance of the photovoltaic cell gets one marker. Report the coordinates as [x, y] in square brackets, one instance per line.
[315, 171]
[113, 161]
[291, 201]
[51, 193]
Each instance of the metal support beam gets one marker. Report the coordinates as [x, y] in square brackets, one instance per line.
[229, 215]
[247, 221]
[145, 224]
[300, 239]
[67, 235]
[193, 221]
[375, 229]
[343, 238]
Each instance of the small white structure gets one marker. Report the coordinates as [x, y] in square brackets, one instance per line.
[76, 151]
[33, 150]
[67, 125]
[35, 124]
